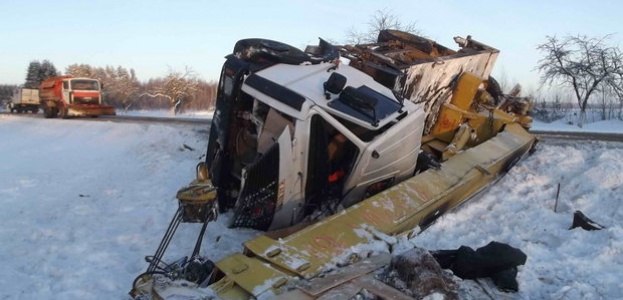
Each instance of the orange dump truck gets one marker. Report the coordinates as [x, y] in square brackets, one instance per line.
[67, 96]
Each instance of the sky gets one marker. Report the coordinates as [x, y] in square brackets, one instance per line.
[86, 238]
[153, 37]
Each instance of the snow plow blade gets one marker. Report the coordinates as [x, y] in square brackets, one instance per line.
[90, 110]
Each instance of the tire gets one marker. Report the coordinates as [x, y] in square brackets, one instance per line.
[494, 89]
[261, 50]
[257, 50]
[63, 113]
[47, 112]
[50, 112]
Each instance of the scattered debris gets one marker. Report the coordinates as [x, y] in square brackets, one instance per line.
[417, 274]
[186, 147]
[496, 260]
[582, 221]
[557, 194]
[354, 281]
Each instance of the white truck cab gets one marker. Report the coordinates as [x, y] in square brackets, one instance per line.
[305, 136]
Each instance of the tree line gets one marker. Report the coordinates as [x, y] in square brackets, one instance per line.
[177, 90]
[6, 92]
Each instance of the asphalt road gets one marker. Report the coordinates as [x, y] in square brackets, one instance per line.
[583, 136]
[543, 135]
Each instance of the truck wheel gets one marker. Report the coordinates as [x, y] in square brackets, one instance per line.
[270, 50]
[63, 113]
[49, 112]
[494, 89]
[35, 110]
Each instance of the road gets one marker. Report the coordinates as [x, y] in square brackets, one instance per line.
[597, 136]
[129, 119]
[543, 135]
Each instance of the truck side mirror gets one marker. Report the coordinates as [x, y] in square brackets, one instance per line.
[335, 84]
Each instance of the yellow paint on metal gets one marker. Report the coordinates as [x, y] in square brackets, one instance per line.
[452, 116]
[250, 276]
[465, 91]
[197, 191]
[83, 110]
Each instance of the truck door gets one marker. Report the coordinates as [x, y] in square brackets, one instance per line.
[331, 157]
[65, 92]
[265, 200]
[288, 203]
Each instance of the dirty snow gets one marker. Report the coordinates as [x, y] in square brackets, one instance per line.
[83, 202]
[166, 113]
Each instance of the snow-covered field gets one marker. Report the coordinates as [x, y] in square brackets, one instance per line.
[608, 126]
[83, 202]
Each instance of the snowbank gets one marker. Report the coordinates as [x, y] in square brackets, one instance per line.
[166, 113]
[84, 202]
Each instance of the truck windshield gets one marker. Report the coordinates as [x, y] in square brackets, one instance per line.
[85, 85]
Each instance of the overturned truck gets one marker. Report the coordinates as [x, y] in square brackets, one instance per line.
[334, 147]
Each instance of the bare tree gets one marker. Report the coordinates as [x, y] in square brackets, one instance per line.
[503, 80]
[120, 85]
[179, 90]
[381, 20]
[178, 87]
[124, 85]
[608, 104]
[584, 63]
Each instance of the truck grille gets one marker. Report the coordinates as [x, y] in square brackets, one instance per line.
[256, 204]
[86, 100]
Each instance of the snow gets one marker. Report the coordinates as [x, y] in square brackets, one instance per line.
[608, 126]
[569, 120]
[165, 113]
[519, 210]
[83, 202]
